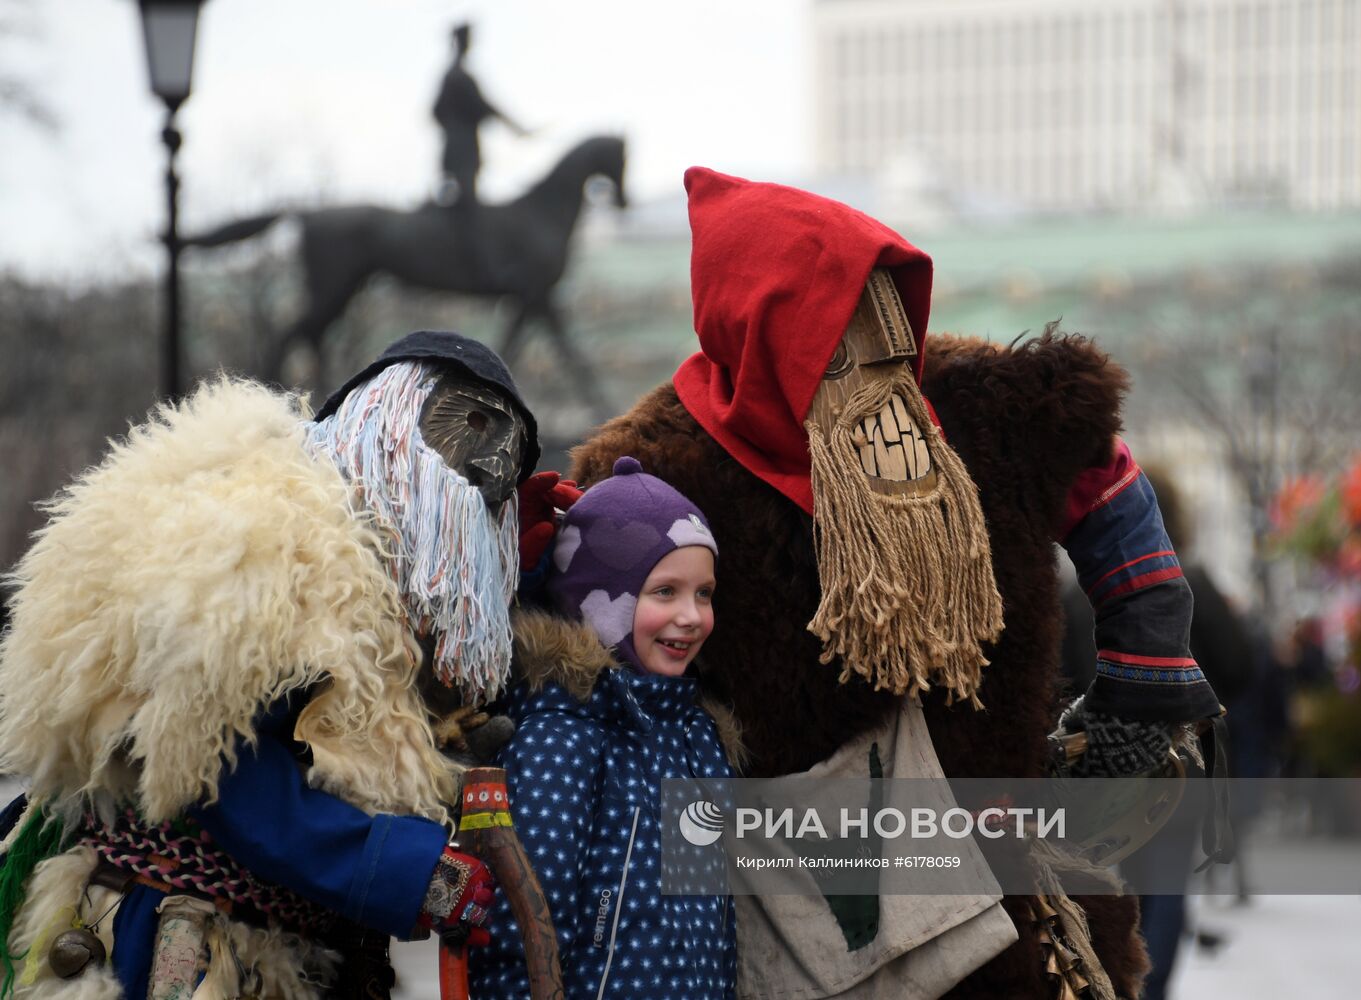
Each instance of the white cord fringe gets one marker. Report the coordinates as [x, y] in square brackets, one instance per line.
[455, 564]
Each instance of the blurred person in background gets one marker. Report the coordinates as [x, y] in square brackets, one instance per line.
[1321, 740]
[1259, 730]
[1305, 656]
[1222, 646]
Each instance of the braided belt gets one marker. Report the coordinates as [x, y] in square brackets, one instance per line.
[180, 856]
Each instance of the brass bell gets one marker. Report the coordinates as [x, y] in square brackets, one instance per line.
[73, 950]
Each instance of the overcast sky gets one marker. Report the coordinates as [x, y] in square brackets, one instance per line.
[329, 100]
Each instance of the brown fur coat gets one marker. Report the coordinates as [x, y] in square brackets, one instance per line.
[1025, 420]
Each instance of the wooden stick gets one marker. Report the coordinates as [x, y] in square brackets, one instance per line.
[485, 831]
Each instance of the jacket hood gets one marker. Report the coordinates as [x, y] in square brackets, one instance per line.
[550, 649]
[561, 665]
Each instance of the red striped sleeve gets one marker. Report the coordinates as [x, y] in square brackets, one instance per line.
[1135, 660]
[1142, 581]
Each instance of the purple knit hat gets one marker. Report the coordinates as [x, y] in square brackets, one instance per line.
[608, 544]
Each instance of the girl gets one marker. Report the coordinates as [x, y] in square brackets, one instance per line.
[606, 710]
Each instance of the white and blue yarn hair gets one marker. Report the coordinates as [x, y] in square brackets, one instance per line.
[455, 565]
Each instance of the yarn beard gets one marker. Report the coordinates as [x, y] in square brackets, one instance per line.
[456, 565]
[908, 594]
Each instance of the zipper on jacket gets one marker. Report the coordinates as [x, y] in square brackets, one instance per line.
[618, 905]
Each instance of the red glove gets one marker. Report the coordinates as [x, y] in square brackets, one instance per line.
[540, 494]
[459, 898]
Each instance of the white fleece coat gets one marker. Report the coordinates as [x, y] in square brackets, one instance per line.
[205, 568]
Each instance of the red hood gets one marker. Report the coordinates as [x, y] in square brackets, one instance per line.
[775, 274]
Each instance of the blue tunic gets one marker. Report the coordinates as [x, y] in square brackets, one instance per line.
[372, 870]
[585, 788]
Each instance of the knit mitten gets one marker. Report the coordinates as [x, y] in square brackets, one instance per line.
[459, 897]
[1116, 747]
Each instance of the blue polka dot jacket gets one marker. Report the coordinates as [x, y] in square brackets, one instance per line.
[593, 743]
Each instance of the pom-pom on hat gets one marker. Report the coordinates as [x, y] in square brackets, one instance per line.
[610, 541]
[775, 274]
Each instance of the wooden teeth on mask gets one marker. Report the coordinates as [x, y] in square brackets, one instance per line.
[892, 446]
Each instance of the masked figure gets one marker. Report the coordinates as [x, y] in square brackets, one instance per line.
[214, 682]
[888, 573]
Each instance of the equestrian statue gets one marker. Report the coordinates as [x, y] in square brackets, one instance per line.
[516, 250]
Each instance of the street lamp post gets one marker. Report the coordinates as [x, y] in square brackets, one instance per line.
[169, 28]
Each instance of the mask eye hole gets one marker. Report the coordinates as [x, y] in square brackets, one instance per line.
[841, 362]
[477, 420]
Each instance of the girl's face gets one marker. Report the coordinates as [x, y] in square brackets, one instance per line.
[675, 612]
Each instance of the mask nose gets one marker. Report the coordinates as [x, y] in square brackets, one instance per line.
[494, 478]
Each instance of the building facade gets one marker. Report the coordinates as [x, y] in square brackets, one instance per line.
[1089, 104]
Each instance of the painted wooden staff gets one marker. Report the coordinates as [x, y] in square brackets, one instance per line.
[485, 831]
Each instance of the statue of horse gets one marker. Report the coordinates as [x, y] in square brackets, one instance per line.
[517, 250]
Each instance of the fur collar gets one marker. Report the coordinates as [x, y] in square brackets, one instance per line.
[208, 566]
[552, 649]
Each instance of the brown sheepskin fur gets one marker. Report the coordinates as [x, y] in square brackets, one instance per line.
[1025, 420]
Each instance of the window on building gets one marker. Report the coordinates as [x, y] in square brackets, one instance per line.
[1222, 21]
[1347, 165]
[1242, 29]
[1308, 23]
[1262, 15]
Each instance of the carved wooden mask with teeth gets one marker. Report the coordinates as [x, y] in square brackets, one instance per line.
[878, 345]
